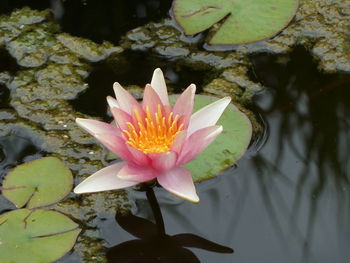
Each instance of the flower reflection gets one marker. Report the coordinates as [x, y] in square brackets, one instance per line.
[153, 244]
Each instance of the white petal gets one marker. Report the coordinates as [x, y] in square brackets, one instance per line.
[179, 182]
[158, 84]
[197, 143]
[164, 161]
[184, 104]
[104, 180]
[112, 102]
[207, 116]
[125, 100]
[97, 127]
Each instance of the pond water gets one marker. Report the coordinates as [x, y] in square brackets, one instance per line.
[287, 200]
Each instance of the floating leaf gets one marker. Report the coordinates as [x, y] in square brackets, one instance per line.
[35, 236]
[245, 20]
[227, 148]
[38, 183]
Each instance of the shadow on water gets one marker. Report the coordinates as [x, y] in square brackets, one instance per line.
[8, 66]
[15, 150]
[153, 244]
[8, 63]
[133, 68]
[307, 112]
[4, 97]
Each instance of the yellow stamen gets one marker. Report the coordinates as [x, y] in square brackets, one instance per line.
[155, 133]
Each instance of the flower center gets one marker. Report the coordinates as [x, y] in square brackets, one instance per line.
[153, 134]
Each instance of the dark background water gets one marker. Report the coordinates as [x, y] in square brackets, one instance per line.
[288, 199]
[96, 20]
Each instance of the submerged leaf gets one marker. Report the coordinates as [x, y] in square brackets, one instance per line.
[38, 183]
[35, 236]
[245, 20]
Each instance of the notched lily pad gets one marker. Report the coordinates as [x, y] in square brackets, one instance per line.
[38, 183]
[36, 236]
[245, 20]
[227, 148]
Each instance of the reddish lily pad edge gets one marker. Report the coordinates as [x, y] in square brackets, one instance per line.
[212, 37]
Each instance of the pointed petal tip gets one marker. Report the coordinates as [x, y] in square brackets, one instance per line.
[77, 191]
[227, 98]
[159, 85]
[157, 70]
[116, 84]
[81, 121]
[112, 102]
[195, 200]
[208, 115]
[179, 182]
[103, 180]
[117, 87]
[192, 199]
[193, 87]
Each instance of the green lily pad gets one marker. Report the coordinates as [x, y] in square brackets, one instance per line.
[245, 20]
[35, 236]
[227, 148]
[38, 183]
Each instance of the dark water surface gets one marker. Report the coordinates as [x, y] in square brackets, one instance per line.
[96, 20]
[123, 70]
[288, 199]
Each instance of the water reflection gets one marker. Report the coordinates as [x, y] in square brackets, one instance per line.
[153, 244]
[308, 149]
[290, 201]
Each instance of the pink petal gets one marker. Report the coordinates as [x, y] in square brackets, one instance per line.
[197, 142]
[139, 157]
[115, 144]
[179, 141]
[207, 116]
[103, 180]
[179, 182]
[151, 99]
[97, 127]
[135, 173]
[112, 102]
[184, 104]
[164, 161]
[121, 118]
[125, 100]
[158, 84]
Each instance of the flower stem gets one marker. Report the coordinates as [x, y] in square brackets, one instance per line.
[156, 210]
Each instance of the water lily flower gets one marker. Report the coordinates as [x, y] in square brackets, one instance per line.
[153, 139]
